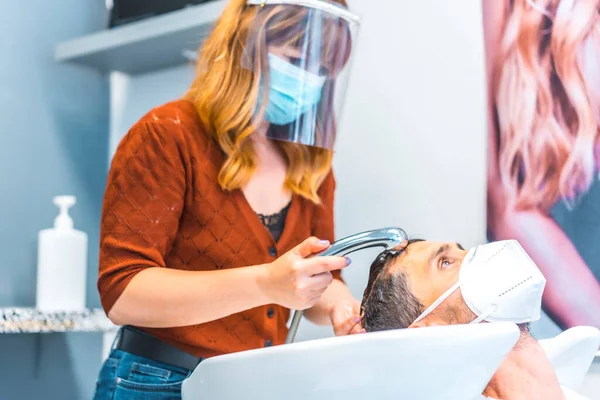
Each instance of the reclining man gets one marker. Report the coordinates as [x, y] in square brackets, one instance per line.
[422, 283]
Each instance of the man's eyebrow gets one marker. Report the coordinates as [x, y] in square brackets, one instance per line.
[443, 248]
[459, 246]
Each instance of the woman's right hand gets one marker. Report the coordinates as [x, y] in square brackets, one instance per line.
[296, 281]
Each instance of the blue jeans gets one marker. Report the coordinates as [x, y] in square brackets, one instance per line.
[127, 376]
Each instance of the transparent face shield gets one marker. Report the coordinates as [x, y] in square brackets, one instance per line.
[300, 53]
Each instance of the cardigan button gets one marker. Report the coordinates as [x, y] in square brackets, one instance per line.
[268, 343]
[273, 252]
[270, 312]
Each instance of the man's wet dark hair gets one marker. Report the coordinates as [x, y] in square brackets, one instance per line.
[388, 302]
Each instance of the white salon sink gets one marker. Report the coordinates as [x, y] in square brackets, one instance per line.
[450, 363]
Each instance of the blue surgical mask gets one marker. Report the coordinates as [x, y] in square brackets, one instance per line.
[292, 92]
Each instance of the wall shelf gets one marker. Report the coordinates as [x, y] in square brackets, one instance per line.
[144, 46]
[30, 320]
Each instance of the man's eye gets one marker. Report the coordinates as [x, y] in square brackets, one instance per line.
[445, 263]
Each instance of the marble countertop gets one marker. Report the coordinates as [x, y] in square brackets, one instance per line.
[30, 320]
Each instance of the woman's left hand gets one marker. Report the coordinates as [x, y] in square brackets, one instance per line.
[345, 318]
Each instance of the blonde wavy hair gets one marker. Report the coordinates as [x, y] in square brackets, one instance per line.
[546, 106]
[227, 86]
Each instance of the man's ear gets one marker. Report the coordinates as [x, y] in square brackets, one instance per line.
[430, 320]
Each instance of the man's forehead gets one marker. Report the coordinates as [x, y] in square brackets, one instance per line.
[418, 253]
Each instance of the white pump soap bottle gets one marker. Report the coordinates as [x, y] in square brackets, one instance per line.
[62, 263]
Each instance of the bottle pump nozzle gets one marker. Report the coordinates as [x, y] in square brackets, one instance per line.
[64, 220]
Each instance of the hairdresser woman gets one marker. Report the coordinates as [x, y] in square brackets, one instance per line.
[216, 203]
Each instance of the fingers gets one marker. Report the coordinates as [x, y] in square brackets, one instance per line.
[310, 246]
[350, 326]
[319, 281]
[315, 295]
[312, 292]
[319, 265]
[356, 329]
[312, 287]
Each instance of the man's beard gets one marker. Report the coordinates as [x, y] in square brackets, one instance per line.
[456, 312]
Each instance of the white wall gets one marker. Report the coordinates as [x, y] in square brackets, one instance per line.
[412, 141]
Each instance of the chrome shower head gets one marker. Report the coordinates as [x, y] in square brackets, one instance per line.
[386, 238]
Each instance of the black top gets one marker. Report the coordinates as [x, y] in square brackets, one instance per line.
[275, 222]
